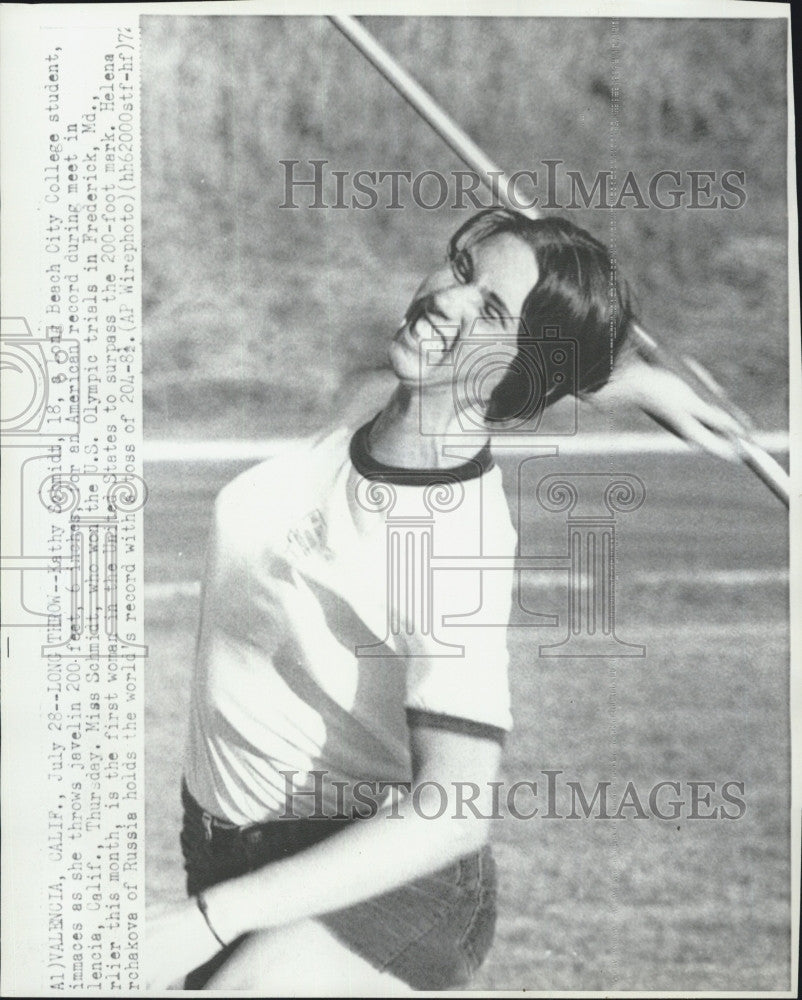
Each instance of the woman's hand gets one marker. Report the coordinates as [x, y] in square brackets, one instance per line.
[177, 940]
[672, 403]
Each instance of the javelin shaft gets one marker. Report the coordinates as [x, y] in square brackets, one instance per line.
[412, 92]
[764, 467]
[751, 454]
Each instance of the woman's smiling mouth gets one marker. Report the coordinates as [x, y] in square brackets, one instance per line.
[423, 323]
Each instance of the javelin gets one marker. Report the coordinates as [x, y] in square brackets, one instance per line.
[749, 452]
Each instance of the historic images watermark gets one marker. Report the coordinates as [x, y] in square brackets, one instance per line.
[419, 567]
[314, 184]
[552, 796]
[591, 502]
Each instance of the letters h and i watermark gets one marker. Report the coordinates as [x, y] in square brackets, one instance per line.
[591, 501]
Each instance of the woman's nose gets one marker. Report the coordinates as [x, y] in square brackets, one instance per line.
[453, 303]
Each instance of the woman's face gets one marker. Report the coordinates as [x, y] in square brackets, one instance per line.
[479, 294]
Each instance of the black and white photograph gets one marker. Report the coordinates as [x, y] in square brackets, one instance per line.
[401, 502]
[484, 494]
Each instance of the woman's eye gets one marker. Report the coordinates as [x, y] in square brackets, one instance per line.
[461, 265]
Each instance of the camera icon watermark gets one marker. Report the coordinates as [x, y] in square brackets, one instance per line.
[40, 396]
[504, 382]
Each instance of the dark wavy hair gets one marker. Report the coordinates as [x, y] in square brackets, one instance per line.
[578, 291]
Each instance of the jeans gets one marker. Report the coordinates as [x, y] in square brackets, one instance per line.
[433, 933]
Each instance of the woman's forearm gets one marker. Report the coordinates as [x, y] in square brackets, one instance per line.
[367, 858]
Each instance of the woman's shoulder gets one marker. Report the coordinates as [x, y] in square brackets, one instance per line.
[283, 477]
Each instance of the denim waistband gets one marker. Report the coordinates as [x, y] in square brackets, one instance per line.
[289, 834]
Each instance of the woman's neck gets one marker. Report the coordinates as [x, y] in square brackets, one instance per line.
[396, 436]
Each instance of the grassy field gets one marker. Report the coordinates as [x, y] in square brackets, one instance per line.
[590, 905]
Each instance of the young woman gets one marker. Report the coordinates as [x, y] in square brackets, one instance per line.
[343, 700]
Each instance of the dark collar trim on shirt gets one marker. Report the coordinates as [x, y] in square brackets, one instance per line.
[366, 465]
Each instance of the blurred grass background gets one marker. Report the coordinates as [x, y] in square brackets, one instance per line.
[262, 321]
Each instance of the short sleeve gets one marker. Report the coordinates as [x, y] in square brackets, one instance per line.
[461, 670]
[460, 667]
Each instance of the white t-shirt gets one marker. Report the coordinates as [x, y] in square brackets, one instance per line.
[330, 610]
